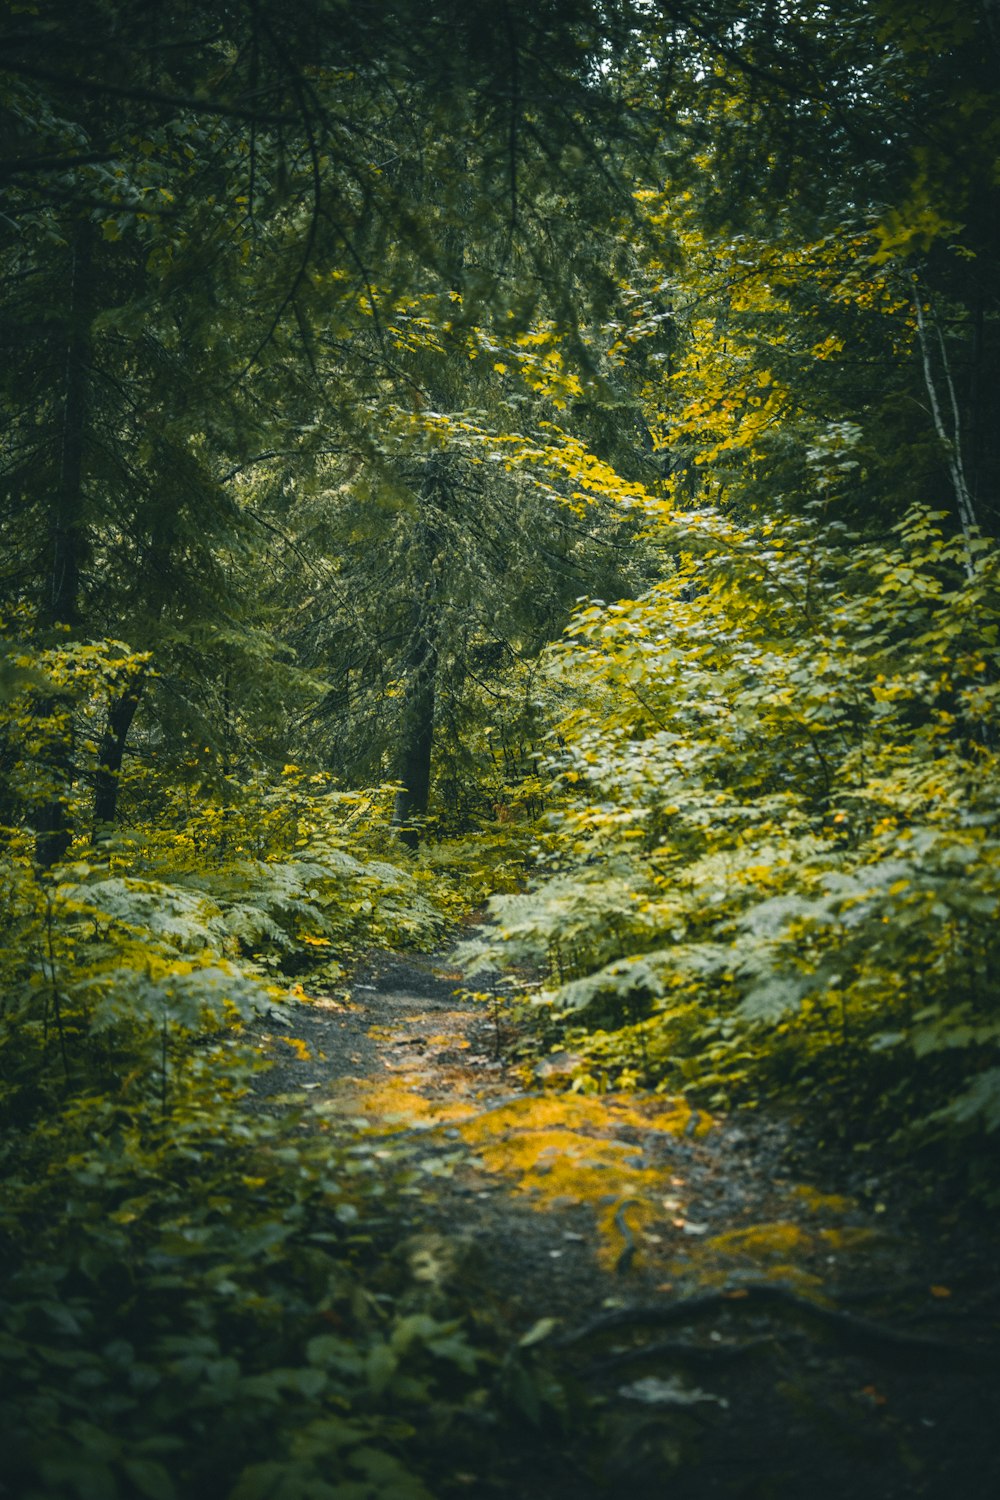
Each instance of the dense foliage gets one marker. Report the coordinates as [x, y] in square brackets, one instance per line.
[546, 452]
[775, 855]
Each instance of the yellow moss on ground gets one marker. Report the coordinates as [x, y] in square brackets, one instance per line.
[700, 1270]
[534, 1155]
[620, 1228]
[554, 1149]
[582, 1112]
[769, 1247]
[822, 1203]
[763, 1243]
[298, 1046]
[395, 1102]
[792, 1276]
[850, 1238]
[557, 1168]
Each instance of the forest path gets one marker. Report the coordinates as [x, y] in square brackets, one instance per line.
[747, 1333]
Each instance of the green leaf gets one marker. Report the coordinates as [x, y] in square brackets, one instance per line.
[149, 1478]
[537, 1333]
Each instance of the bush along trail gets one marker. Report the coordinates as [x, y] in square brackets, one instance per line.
[621, 1293]
[380, 1234]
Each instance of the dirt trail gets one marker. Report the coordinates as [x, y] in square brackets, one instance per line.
[748, 1334]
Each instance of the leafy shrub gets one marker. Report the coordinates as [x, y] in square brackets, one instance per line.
[776, 850]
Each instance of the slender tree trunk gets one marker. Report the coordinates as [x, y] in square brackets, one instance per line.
[111, 754]
[67, 536]
[121, 713]
[67, 544]
[415, 746]
[975, 426]
[416, 742]
[951, 441]
[228, 760]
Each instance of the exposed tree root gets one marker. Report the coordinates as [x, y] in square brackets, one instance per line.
[862, 1334]
[685, 1352]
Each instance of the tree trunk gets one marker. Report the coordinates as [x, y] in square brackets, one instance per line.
[416, 742]
[111, 754]
[67, 541]
[415, 746]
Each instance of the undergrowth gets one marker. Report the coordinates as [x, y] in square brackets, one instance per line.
[198, 1298]
[773, 870]
[200, 1302]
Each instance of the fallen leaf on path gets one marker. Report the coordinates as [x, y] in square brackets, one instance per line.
[654, 1391]
[537, 1332]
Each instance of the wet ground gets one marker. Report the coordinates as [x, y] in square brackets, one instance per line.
[750, 1319]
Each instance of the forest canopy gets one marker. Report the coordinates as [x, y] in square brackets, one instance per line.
[538, 454]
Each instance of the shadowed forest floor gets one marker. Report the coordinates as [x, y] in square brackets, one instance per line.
[739, 1313]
